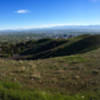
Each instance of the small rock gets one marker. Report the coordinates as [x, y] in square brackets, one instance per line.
[76, 77]
[82, 97]
[35, 76]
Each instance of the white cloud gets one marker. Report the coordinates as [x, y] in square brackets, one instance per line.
[22, 11]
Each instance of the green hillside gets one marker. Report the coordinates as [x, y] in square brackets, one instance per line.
[47, 48]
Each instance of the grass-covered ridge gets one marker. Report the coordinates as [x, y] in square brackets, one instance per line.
[48, 48]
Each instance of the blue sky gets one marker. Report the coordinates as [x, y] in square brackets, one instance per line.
[46, 13]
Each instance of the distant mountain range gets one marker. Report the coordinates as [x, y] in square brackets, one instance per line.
[62, 27]
[93, 27]
[66, 29]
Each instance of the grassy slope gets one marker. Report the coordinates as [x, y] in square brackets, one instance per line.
[75, 77]
[76, 74]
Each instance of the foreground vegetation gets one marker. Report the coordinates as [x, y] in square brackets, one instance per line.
[14, 91]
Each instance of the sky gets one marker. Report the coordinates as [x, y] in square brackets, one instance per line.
[24, 14]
